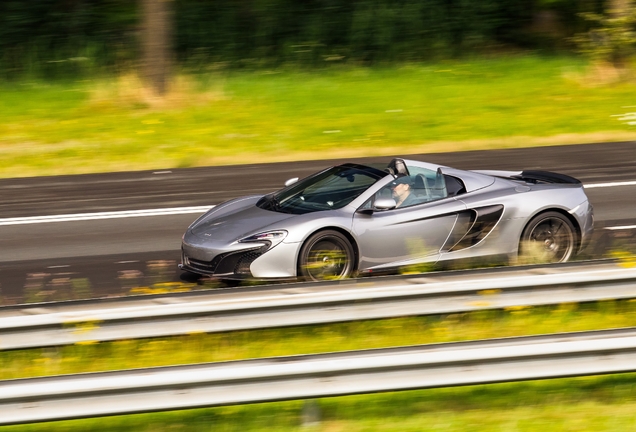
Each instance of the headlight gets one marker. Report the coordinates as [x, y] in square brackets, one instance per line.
[270, 238]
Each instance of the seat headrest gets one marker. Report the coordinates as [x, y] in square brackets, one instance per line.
[420, 182]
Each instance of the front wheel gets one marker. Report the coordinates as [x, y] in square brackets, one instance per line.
[548, 238]
[326, 255]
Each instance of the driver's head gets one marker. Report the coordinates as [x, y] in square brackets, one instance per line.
[400, 186]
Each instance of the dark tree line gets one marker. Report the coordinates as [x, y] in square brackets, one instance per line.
[58, 37]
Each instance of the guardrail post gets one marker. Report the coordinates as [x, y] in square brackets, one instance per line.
[311, 414]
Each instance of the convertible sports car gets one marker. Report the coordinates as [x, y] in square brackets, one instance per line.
[356, 219]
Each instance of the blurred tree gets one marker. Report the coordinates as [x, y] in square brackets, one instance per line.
[156, 42]
[71, 38]
[611, 38]
[66, 38]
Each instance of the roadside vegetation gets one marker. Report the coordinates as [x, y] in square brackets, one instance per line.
[601, 403]
[278, 80]
[199, 348]
[237, 117]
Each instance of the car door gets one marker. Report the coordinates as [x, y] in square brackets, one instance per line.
[404, 236]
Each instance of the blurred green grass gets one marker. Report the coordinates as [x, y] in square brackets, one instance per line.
[234, 117]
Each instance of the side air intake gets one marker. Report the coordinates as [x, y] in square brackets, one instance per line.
[472, 226]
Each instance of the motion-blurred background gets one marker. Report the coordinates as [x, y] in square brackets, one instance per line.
[112, 85]
[145, 87]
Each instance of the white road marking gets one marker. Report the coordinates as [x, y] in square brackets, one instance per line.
[604, 185]
[104, 215]
[189, 210]
[624, 227]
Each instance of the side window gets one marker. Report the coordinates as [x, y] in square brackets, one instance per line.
[421, 186]
[428, 183]
[407, 191]
[385, 192]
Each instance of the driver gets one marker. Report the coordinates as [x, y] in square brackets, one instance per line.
[402, 192]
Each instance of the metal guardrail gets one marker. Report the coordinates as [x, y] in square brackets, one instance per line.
[322, 375]
[299, 304]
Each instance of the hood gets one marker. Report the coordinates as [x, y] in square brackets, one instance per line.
[236, 221]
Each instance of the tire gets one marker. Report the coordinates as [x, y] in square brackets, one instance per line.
[326, 255]
[549, 237]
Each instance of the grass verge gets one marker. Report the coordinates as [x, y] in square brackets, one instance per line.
[266, 116]
[197, 348]
[599, 403]
[575, 404]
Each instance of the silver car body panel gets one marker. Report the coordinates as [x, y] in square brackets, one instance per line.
[409, 235]
[423, 233]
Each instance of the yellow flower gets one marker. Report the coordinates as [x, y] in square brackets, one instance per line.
[489, 292]
[516, 308]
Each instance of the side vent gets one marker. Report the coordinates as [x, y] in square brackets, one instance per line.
[472, 226]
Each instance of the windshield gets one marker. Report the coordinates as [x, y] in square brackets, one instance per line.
[328, 190]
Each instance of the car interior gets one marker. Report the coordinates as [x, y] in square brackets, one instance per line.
[426, 188]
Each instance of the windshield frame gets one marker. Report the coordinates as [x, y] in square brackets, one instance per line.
[291, 199]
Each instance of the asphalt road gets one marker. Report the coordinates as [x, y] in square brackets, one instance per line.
[113, 254]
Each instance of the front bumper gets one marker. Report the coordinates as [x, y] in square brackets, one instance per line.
[234, 263]
[255, 261]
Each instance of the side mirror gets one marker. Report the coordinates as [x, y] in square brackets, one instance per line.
[291, 181]
[384, 204]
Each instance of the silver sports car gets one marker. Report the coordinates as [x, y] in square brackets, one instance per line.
[356, 219]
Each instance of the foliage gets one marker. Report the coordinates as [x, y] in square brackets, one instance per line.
[55, 38]
[607, 403]
[598, 403]
[481, 323]
[311, 32]
[612, 37]
[61, 38]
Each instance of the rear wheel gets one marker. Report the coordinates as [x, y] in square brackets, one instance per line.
[548, 238]
[326, 255]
